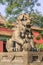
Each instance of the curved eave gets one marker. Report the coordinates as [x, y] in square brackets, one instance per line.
[4, 38]
[5, 33]
[36, 28]
[11, 24]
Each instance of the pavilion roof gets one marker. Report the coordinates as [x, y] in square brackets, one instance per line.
[6, 32]
[36, 28]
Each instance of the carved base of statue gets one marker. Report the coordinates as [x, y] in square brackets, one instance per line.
[26, 47]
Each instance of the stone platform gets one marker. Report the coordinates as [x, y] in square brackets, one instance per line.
[36, 63]
[21, 58]
[13, 58]
[10, 63]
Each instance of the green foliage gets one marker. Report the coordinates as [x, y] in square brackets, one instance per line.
[16, 7]
[1, 1]
[42, 21]
[37, 19]
[6, 25]
[39, 46]
[42, 34]
[9, 9]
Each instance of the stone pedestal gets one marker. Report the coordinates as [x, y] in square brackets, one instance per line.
[14, 58]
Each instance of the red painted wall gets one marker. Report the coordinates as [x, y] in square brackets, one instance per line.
[1, 46]
[36, 34]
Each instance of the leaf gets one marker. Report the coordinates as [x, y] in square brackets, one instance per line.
[9, 10]
[38, 4]
[17, 11]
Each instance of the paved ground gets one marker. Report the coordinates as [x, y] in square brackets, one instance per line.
[5, 63]
[37, 63]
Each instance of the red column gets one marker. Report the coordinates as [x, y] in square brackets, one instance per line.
[1, 46]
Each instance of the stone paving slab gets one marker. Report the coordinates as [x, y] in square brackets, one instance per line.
[5, 63]
[36, 63]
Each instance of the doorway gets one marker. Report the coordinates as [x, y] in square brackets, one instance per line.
[4, 46]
